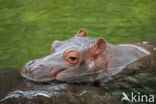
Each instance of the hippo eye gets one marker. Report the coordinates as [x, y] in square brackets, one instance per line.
[72, 57]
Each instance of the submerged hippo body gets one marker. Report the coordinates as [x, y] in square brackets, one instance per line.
[82, 59]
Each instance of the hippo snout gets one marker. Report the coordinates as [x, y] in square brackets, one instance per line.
[28, 66]
[38, 70]
[33, 65]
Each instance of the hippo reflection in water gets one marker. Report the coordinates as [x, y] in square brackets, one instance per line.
[82, 59]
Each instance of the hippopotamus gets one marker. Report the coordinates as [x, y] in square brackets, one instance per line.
[82, 59]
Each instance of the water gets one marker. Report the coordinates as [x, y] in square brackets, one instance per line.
[136, 77]
[28, 28]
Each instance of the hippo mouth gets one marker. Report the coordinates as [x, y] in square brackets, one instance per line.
[50, 76]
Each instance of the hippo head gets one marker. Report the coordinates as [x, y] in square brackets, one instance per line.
[79, 59]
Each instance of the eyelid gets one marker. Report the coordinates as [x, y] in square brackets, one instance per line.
[68, 54]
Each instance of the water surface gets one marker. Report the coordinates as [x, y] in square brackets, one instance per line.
[136, 77]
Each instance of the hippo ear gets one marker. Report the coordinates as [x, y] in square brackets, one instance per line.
[81, 33]
[98, 47]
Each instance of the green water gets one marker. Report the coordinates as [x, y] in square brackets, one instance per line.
[28, 27]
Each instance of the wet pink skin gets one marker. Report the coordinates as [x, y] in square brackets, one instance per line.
[80, 57]
[59, 76]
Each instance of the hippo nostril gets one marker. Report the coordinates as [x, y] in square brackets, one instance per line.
[41, 65]
[30, 62]
[29, 65]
